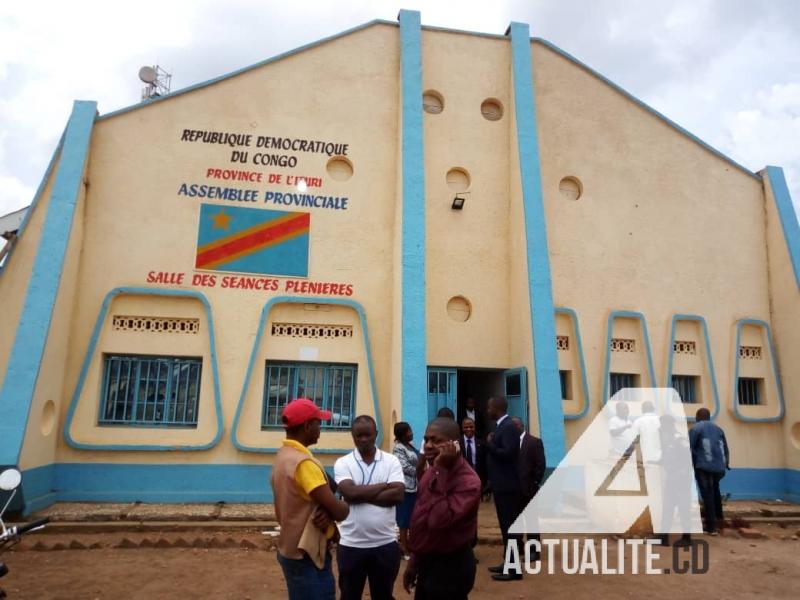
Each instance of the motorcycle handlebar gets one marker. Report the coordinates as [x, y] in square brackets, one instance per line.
[34, 525]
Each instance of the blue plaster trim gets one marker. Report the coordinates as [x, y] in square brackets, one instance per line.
[38, 488]
[262, 63]
[543, 323]
[584, 380]
[27, 353]
[87, 361]
[646, 107]
[762, 484]
[35, 202]
[629, 314]
[709, 359]
[788, 217]
[251, 364]
[775, 373]
[414, 354]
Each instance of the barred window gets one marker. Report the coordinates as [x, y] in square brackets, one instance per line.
[749, 389]
[620, 381]
[686, 386]
[150, 390]
[331, 386]
[566, 384]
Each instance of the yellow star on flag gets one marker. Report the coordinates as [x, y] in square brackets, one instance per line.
[221, 220]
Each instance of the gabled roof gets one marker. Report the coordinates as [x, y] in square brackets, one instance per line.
[369, 24]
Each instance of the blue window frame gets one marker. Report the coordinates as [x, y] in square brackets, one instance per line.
[686, 386]
[750, 391]
[150, 390]
[331, 386]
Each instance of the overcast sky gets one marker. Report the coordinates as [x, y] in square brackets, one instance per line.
[726, 70]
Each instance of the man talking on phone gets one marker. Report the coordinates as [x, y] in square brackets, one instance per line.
[445, 519]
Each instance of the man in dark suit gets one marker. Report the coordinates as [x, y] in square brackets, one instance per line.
[531, 464]
[473, 450]
[502, 453]
[470, 411]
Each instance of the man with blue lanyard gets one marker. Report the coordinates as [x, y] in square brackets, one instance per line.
[371, 482]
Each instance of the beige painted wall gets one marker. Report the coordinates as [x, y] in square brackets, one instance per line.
[786, 334]
[663, 226]
[348, 93]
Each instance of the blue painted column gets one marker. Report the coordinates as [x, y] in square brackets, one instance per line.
[548, 384]
[788, 217]
[413, 328]
[29, 343]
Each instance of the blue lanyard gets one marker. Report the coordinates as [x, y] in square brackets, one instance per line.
[372, 470]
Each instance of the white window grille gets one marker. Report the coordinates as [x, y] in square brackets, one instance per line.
[311, 330]
[750, 352]
[623, 345]
[684, 347]
[155, 324]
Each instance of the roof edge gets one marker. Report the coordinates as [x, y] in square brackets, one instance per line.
[647, 107]
[267, 61]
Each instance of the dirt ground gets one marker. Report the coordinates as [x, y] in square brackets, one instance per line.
[739, 568]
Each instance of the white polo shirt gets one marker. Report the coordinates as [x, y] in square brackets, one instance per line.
[367, 525]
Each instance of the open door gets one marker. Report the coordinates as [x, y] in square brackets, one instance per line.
[441, 390]
[516, 391]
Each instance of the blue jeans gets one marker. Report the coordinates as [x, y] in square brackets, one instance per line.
[305, 581]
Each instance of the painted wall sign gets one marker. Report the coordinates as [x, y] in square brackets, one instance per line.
[247, 282]
[253, 241]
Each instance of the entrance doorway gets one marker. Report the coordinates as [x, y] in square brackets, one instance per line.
[452, 387]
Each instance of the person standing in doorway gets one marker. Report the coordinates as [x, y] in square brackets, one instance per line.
[445, 519]
[502, 455]
[305, 505]
[711, 459]
[408, 456]
[471, 412]
[371, 481]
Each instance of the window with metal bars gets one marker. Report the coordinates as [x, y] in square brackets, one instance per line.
[150, 390]
[686, 386]
[620, 381]
[331, 386]
[566, 387]
[750, 391]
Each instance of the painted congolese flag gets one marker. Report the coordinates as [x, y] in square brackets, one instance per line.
[252, 240]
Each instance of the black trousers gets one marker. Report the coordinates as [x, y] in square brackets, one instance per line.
[508, 506]
[708, 485]
[445, 576]
[378, 565]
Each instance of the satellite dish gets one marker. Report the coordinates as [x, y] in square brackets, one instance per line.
[148, 74]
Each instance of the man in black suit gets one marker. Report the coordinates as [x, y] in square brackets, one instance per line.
[473, 450]
[470, 411]
[531, 465]
[502, 453]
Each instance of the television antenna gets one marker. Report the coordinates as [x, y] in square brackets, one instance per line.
[157, 79]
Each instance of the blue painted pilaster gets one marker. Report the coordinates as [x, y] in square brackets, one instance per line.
[25, 360]
[413, 328]
[548, 384]
[788, 217]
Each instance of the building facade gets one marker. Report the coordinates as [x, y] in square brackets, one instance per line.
[387, 221]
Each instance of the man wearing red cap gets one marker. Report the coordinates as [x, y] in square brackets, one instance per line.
[305, 505]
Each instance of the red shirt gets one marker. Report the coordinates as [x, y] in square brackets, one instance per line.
[445, 516]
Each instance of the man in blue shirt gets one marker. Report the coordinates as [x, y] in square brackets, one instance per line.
[710, 458]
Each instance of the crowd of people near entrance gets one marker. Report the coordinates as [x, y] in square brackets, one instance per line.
[430, 495]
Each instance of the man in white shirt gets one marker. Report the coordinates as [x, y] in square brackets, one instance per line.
[647, 428]
[371, 482]
[619, 426]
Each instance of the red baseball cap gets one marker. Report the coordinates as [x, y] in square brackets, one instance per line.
[301, 410]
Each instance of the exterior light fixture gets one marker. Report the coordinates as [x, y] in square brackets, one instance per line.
[458, 202]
